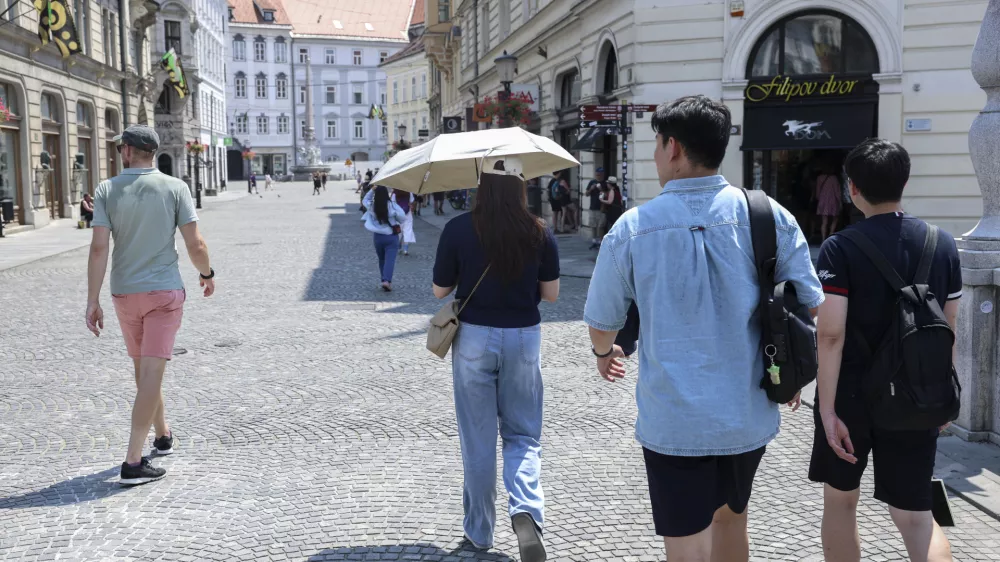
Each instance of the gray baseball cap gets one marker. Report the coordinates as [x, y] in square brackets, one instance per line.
[141, 137]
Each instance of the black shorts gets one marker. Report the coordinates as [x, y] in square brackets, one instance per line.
[556, 206]
[687, 491]
[439, 196]
[904, 460]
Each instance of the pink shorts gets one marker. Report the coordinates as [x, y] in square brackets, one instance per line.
[150, 321]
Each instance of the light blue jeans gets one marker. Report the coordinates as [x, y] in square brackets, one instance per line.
[386, 246]
[498, 380]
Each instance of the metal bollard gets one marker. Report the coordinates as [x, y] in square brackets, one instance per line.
[197, 194]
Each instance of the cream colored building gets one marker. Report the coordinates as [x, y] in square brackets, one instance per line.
[57, 143]
[406, 79]
[908, 61]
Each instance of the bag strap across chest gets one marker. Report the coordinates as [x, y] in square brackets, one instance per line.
[878, 259]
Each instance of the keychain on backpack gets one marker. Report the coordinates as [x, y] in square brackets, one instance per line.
[774, 370]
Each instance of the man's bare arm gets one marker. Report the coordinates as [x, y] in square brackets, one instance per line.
[196, 247]
[831, 332]
[97, 264]
[951, 314]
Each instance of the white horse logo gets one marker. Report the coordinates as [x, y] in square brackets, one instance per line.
[797, 127]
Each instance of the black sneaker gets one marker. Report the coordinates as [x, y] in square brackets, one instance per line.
[163, 445]
[142, 474]
[529, 538]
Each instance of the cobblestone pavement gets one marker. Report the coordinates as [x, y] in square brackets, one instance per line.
[311, 424]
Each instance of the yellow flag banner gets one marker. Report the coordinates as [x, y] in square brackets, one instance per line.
[172, 64]
[55, 24]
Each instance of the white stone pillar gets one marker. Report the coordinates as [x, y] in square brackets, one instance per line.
[978, 360]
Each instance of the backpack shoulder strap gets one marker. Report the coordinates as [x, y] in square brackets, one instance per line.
[875, 256]
[927, 257]
[764, 235]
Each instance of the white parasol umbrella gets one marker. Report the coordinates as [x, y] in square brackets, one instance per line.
[453, 161]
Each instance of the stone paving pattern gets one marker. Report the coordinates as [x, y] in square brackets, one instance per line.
[311, 423]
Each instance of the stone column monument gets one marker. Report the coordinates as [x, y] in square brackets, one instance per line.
[978, 360]
[310, 159]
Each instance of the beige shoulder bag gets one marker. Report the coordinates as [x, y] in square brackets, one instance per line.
[444, 324]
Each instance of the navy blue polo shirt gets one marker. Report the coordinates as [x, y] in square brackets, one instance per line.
[846, 271]
[498, 304]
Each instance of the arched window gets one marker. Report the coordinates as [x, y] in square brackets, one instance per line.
[816, 42]
[569, 89]
[610, 75]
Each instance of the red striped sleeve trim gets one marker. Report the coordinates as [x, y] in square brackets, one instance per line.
[834, 290]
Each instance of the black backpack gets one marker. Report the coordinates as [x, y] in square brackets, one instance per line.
[912, 384]
[789, 333]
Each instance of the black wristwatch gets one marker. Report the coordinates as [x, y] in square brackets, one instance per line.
[599, 356]
[211, 274]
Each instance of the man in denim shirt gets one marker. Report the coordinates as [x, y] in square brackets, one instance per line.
[686, 259]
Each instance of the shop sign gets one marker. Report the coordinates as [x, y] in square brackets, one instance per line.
[795, 126]
[784, 88]
[228, 141]
[528, 93]
[799, 130]
[479, 114]
[421, 133]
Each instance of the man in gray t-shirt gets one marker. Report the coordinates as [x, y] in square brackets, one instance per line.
[142, 209]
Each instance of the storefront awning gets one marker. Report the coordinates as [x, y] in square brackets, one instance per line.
[813, 126]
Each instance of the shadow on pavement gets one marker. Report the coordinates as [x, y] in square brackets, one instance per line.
[416, 552]
[81, 489]
[348, 272]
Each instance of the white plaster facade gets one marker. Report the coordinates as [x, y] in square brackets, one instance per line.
[262, 123]
[670, 48]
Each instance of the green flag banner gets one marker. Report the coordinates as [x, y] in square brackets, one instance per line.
[172, 64]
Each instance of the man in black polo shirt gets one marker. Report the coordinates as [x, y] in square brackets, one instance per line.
[859, 305]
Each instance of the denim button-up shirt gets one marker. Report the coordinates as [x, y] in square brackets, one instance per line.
[686, 259]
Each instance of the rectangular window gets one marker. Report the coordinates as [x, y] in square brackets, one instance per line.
[281, 88]
[331, 128]
[423, 86]
[385, 129]
[444, 10]
[395, 92]
[172, 33]
[280, 52]
[357, 57]
[359, 129]
[404, 91]
[382, 55]
[381, 94]
[261, 84]
[239, 50]
[259, 51]
[241, 87]
[302, 127]
[262, 125]
[303, 55]
[358, 94]
[413, 86]
[82, 24]
[423, 122]
[331, 56]
[242, 124]
[331, 94]
[268, 15]
[283, 125]
[302, 94]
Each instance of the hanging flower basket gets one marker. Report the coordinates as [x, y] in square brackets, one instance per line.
[514, 111]
[195, 148]
[249, 154]
[5, 114]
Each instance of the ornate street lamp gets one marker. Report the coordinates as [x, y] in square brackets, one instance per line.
[506, 69]
[402, 131]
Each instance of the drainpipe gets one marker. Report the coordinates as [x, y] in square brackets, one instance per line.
[295, 97]
[121, 42]
[475, 22]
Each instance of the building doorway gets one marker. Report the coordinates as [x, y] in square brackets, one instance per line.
[165, 164]
[234, 165]
[53, 182]
[810, 98]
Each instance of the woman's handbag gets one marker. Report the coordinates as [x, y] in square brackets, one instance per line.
[396, 229]
[444, 324]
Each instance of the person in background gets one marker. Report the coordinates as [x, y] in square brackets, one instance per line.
[252, 188]
[857, 312]
[611, 202]
[418, 203]
[381, 216]
[569, 208]
[594, 189]
[87, 209]
[317, 183]
[555, 201]
[268, 182]
[323, 178]
[405, 201]
[439, 202]
[829, 203]
[360, 182]
[500, 261]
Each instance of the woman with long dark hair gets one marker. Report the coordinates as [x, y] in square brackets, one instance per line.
[501, 261]
[611, 203]
[381, 215]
